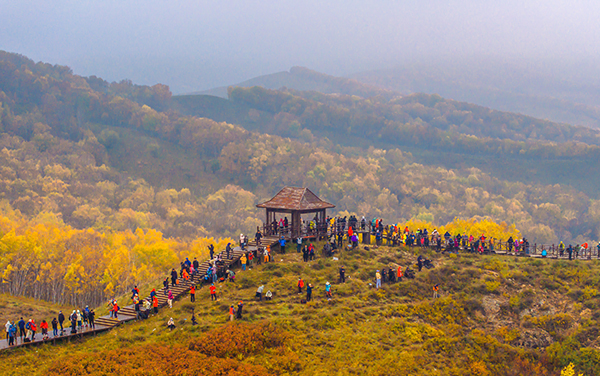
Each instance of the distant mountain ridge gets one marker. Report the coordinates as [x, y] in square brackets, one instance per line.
[564, 96]
[304, 79]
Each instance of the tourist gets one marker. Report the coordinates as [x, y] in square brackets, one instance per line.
[91, 317]
[170, 299]
[377, 279]
[328, 290]
[44, 328]
[211, 250]
[7, 326]
[213, 292]
[259, 292]
[231, 313]
[309, 289]
[258, 237]
[342, 274]
[12, 334]
[268, 295]
[80, 320]
[155, 304]
[435, 291]
[173, 277]
[239, 310]
[193, 293]
[32, 328]
[61, 319]
[55, 327]
[243, 261]
[171, 324]
[300, 285]
[21, 325]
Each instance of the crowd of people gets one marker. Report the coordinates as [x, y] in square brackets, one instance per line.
[339, 231]
[25, 331]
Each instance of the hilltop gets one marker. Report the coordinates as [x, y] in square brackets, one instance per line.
[497, 315]
[304, 79]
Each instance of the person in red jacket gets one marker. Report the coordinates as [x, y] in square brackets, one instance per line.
[213, 292]
[300, 285]
[155, 304]
[116, 310]
[193, 293]
[399, 274]
[44, 327]
[231, 313]
[32, 328]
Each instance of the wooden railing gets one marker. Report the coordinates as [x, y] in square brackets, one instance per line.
[366, 233]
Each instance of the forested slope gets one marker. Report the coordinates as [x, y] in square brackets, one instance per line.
[117, 156]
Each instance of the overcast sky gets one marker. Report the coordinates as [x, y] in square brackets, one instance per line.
[194, 44]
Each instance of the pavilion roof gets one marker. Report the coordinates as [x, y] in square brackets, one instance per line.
[292, 198]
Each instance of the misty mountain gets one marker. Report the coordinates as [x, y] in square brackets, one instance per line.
[304, 79]
[567, 93]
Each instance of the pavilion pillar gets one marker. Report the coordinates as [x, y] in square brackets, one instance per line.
[296, 225]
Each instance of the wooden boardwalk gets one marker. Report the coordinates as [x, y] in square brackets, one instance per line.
[126, 313]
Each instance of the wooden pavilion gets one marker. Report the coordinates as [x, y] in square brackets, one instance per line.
[296, 201]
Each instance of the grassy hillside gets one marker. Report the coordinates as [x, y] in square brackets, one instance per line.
[497, 315]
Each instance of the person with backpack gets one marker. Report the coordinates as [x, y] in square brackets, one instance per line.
[239, 310]
[193, 293]
[435, 291]
[32, 328]
[12, 335]
[54, 327]
[134, 291]
[21, 325]
[136, 306]
[311, 252]
[116, 310]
